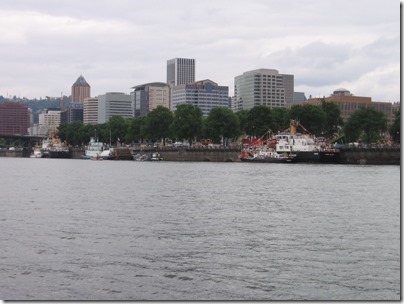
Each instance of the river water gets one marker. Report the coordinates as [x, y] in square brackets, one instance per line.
[126, 230]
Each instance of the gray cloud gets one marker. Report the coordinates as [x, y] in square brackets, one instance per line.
[46, 44]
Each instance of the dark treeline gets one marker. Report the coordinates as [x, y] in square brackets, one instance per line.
[187, 122]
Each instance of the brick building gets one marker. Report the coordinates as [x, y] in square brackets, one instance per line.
[348, 103]
[14, 118]
[80, 90]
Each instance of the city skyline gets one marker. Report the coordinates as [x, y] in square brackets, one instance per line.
[118, 45]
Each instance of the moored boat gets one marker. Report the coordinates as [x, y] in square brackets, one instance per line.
[36, 153]
[306, 147]
[139, 157]
[96, 149]
[45, 147]
[265, 155]
[290, 146]
[53, 148]
[156, 156]
[59, 153]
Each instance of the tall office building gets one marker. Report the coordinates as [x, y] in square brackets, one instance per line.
[80, 90]
[180, 71]
[114, 104]
[149, 96]
[49, 120]
[205, 94]
[90, 111]
[72, 112]
[14, 118]
[263, 87]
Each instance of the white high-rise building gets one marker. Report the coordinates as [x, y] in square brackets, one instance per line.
[263, 87]
[114, 104]
[90, 111]
[48, 120]
[180, 71]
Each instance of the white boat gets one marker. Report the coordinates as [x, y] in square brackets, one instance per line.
[37, 153]
[45, 148]
[156, 156]
[290, 146]
[306, 147]
[263, 154]
[96, 150]
[139, 157]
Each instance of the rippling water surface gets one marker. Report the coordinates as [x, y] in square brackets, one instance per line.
[111, 230]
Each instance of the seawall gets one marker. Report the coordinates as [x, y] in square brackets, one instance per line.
[200, 154]
[15, 153]
[349, 156]
[371, 156]
[77, 153]
[352, 156]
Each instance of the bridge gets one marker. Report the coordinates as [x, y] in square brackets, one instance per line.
[19, 141]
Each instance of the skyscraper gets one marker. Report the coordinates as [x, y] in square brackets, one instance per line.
[205, 94]
[48, 120]
[150, 95]
[263, 87]
[114, 104]
[80, 90]
[180, 71]
[90, 111]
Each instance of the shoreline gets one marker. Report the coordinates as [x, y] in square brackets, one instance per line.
[350, 155]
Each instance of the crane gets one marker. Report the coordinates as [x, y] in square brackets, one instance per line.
[56, 98]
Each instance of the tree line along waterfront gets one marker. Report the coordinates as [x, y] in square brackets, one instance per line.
[366, 125]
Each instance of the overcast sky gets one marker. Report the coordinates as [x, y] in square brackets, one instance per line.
[326, 44]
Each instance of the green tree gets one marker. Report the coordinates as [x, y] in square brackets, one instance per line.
[352, 130]
[280, 117]
[259, 120]
[394, 129]
[243, 119]
[137, 129]
[365, 124]
[96, 131]
[127, 138]
[310, 116]
[115, 130]
[223, 123]
[63, 130]
[187, 122]
[73, 133]
[333, 120]
[158, 123]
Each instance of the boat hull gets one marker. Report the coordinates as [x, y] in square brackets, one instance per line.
[268, 160]
[330, 157]
[95, 157]
[59, 154]
[317, 157]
